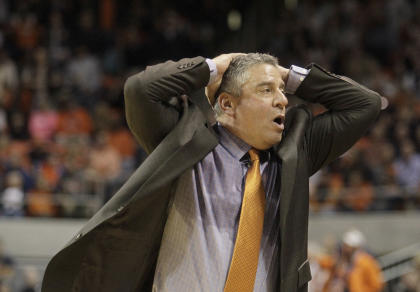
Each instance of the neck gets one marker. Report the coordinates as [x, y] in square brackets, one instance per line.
[229, 125]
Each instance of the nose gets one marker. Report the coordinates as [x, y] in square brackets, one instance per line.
[280, 100]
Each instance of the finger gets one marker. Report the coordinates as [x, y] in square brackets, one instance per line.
[184, 99]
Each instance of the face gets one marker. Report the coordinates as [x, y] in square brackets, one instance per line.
[347, 250]
[257, 116]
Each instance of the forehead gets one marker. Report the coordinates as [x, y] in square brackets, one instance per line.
[263, 73]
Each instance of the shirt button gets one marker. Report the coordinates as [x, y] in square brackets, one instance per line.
[120, 208]
[78, 236]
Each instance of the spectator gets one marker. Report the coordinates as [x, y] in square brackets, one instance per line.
[105, 162]
[27, 31]
[84, 76]
[16, 158]
[73, 120]
[18, 129]
[411, 281]
[31, 279]
[121, 139]
[407, 167]
[51, 170]
[40, 200]
[3, 121]
[359, 194]
[7, 269]
[13, 198]
[43, 122]
[45, 55]
[58, 49]
[8, 79]
[331, 185]
[321, 265]
[362, 270]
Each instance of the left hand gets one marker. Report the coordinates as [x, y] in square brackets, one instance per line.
[222, 63]
[284, 73]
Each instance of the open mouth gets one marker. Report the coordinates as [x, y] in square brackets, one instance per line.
[279, 120]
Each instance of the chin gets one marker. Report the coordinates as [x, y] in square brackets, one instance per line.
[277, 139]
[270, 143]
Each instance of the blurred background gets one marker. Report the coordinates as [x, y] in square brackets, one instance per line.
[65, 147]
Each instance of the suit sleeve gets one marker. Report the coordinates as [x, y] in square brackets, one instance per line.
[152, 97]
[351, 110]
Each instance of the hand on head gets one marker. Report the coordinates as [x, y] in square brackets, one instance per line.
[222, 63]
[284, 73]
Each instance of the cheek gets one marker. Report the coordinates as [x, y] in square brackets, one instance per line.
[253, 114]
[261, 112]
[252, 117]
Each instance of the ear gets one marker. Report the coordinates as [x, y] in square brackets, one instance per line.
[227, 103]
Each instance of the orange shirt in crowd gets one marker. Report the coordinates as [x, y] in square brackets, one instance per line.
[360, 197]
[27, 33]
[107, 14]
[365, 275]
[41, 203]
[74, 121]
[123, 142]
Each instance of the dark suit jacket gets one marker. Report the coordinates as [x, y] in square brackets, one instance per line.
[118, 248]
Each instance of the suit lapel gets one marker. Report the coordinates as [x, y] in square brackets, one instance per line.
[296, 122]
[288, 155]
[288, 152]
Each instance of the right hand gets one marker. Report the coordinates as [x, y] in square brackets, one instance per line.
[222, 63]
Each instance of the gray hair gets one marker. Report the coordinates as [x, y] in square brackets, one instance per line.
[237, 74]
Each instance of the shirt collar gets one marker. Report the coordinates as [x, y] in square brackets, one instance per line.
[233, 144]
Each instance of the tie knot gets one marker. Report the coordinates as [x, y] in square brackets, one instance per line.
[253, 154]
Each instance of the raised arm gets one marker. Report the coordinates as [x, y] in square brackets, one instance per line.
[152, 97]
[153, 102]
[352, 108]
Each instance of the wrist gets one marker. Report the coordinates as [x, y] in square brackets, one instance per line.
[295, 77]
[213, 71]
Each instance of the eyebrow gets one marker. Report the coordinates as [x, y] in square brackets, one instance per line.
[282, 84]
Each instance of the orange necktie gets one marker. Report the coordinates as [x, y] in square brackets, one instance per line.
[243, 267]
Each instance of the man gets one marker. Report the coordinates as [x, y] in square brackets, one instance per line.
[182, 221]
[363, 272]
[352, 269]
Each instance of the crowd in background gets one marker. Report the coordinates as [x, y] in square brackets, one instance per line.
[376, 43]
[349, 264]
[64, 143]
[65, 147]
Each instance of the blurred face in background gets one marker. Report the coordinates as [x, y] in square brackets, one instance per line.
[347, 251]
